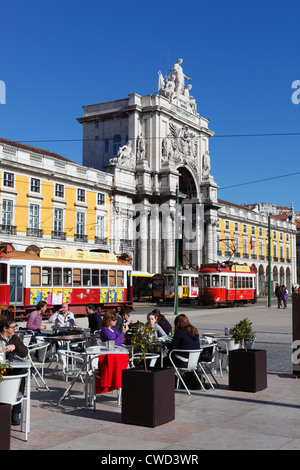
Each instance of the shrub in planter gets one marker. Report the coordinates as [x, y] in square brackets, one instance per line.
[247, 367]
[148, 394]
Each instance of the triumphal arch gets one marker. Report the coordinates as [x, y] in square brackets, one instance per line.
[157, 149]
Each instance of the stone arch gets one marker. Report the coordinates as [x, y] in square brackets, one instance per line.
[261, 281]
[188, 191]
[275, 276]
[187, 183]
[288, 280]
[34, 248]
[281, 276]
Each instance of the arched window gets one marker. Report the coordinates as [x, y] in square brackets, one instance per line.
[117, 142]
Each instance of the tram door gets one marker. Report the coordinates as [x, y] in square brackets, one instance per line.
[16, 285]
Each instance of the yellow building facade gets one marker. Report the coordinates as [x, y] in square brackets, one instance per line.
[49, 201]
[242, 237]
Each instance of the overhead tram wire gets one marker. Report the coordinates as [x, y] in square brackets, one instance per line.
[215, 136]
[261, 180]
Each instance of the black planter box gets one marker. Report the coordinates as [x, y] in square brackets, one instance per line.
[148, 398]
[247, 370]
[5, 426]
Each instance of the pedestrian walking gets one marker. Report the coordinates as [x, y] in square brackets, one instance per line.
[278, 293]
[284, 295]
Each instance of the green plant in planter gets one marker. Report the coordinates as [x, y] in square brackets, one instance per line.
[243, 333]
[3, 369]
[143, 341]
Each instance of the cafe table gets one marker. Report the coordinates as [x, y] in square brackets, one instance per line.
[86, 367]
[221, 338]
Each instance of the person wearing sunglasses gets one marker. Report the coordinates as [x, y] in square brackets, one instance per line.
[109, 332]
[14, 349]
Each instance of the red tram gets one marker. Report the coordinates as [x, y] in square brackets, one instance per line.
[226, 284]
[58, 276]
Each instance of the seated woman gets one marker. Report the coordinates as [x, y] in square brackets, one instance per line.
[186, 336]
[162, 321]
[159, 332]
[109, 332]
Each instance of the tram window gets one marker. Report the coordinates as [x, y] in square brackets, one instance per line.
[172, 280]
[3, 273]
[35, 276]
[247, 282]
[86, 277]
[57, 276]
[46, 276]
[231, 282]
[223, 281]
[112, 278]
[77, 277]
[95, 277]
[250, 283]
[206, 281]
[239, 282]
[120, 279]
[215, 280]
[243, 282]
[185, 281]
[67, 273]
[104, 277]
[235, 283]
[200, 281]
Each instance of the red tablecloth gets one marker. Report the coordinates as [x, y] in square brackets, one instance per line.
[110, 368]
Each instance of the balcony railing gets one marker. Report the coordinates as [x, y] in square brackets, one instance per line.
[125, 242]
[101, 240]
[10, 229]
[34, 232]
[79, 237]
[58, 235]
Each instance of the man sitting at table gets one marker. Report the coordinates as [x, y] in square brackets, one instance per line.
[109, 332]
[15, 349]
[64, 317]
[95, 319]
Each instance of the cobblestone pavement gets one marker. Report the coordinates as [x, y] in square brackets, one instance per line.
[279, 356]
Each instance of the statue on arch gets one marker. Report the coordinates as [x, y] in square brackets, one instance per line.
[140, 147]
[206, 163]
[179, 77]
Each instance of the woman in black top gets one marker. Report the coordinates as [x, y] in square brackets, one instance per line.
[186, 336]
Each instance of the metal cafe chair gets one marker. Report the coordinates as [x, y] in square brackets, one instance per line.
[39, 364]
[191, 365]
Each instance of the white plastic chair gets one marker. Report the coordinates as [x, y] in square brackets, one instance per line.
[223, 351]
[9, 393]
[38, 365]
[191, 365]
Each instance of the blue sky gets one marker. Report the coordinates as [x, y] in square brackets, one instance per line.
[242, 56]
